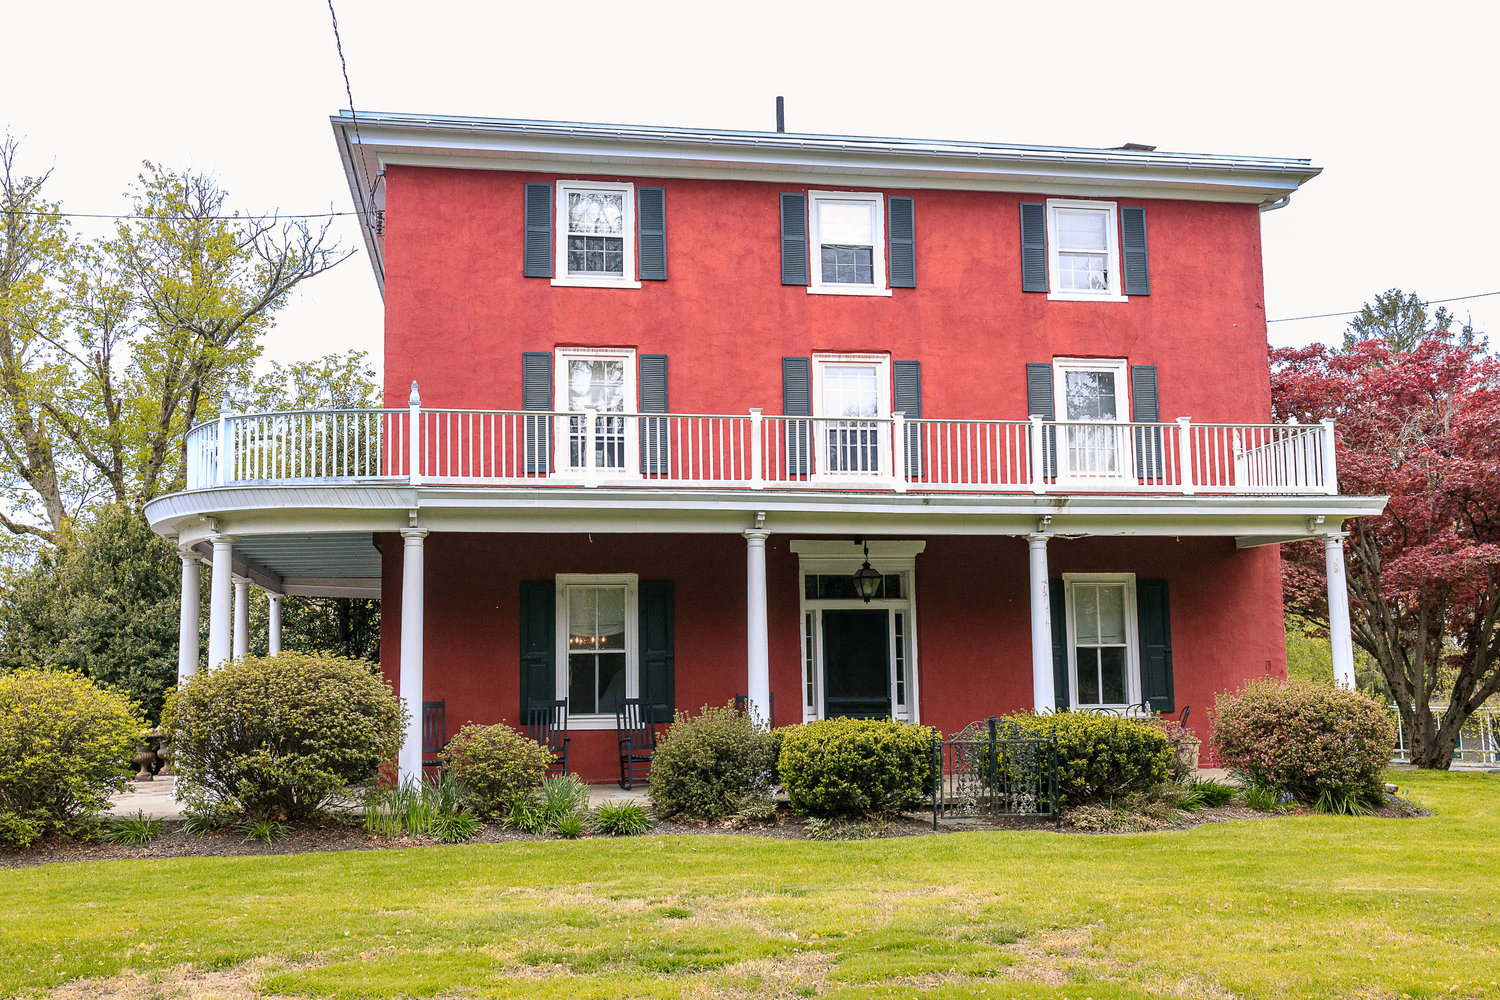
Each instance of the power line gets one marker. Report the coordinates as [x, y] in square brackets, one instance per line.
[338, 43]
[1355, 312]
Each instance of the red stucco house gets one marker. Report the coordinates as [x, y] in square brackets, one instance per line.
[654, 395]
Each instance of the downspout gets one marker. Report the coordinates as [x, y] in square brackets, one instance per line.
[1272, 206]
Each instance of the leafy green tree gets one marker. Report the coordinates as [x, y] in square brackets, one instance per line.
[1401, 320]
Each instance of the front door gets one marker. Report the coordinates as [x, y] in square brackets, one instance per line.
[856, 664]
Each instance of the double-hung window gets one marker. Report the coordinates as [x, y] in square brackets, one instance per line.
[1103, 664]
[1083, 250]
[848, 243]
[850, 393]
[595, 234]
[602, 380]
[1092, 399]
[597, 630]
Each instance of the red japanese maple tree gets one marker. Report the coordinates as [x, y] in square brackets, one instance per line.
[1423, 427]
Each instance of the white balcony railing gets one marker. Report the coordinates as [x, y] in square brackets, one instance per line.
[758, 451]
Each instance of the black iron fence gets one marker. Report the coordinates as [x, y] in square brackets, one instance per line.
[994, 768]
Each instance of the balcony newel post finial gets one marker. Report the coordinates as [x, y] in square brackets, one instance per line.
[414, 436]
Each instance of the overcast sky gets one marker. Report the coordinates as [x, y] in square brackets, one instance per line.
[1396, 102]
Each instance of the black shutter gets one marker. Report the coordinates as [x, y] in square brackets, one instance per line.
[1156, 645]
[793, 238]
[1040, 402]
[651, 222]
[536, 394]
[1033, 246]
[653, 377]
[909, 400]
[901, 232]
[538, 257]
[658, 659]
[1058, 595]
[1134, 267]
[1147, 410]
[538, 633]
[796, 401]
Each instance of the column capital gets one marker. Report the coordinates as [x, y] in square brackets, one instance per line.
[413, 534]
[219, 538]
[274, 597]
[1037, 539]
[241, 581]
[756, 535]
[1334, 537]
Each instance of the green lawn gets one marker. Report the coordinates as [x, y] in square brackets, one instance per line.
[1304, 907]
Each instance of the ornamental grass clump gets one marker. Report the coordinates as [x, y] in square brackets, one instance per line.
[281, 736]
[856, 767]
[706, 763]
[1099, 756]
[1308, 740]
[493, 766]
[64, 747]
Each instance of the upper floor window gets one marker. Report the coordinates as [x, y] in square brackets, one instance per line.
[848, 240]
[851, 393]
[602, 380]
[595, 234]
[1083, 258]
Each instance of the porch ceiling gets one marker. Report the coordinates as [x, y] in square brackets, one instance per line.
[330, 564]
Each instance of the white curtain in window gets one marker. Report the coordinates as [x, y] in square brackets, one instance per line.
[596, 383]
[1082, 229]
[845, 223]
[596, 213]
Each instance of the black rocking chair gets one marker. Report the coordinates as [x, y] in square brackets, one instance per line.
[547, 724]
[434, 735]
[637, 735]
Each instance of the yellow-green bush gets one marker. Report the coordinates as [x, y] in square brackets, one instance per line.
[707, 762]
[65, 745]
[281, 735]
[1099, 755]
[856, 766]
[493, 765]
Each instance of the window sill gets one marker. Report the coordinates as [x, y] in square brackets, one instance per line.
[848, 290]
[594, 283]
[592, 723]
[1080, 297]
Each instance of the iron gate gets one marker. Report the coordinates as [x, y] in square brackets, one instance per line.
[994, 768]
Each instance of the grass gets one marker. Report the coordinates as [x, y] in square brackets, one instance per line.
[1305, 906]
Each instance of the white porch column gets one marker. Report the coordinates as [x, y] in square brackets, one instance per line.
[241, 616]
[219, 601]
[411, 652]
[1339, 634]
[273, 623]
[758, 641]
[1042, 687]
[187, 619]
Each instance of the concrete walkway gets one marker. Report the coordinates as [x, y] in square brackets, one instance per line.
[157, 799]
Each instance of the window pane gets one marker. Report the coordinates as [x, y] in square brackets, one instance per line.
[599, 383]
[846, 222]
[611, 668]
[1083, 272]
[846, 265]
[1112, 615]
[611, 603]
[1082, 229]
[1086, 614]
[596, 212]
[1088, 676]
[1089, 395]
[1112, 674]
[850, 391]
[581, 697]
[582, 607]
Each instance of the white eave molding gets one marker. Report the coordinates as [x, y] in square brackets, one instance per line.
[792, 158]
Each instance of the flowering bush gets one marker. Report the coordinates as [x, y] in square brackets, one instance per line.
[493, 765]
[856, 766]
[1305, 739]
[1100, 755]
[706, 763]
[64, 744]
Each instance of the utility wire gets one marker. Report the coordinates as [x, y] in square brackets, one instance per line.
[1355, 312]
[349, 92]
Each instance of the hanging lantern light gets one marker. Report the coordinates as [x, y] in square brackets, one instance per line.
[867, 579]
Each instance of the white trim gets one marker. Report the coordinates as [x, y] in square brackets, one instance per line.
[823, 424]
[1112, 237]
[1132, 638]
[562, 467]
[562, 278]
[876, 203]
[631, 582]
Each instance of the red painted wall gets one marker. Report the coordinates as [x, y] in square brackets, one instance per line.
[459, 313]
[973, 640]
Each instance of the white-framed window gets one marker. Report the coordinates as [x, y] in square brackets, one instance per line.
[847, 243]
[597, 659]
[1104, 669]
[1083, 250]
[595, 239]
[851, 392]
[1092, 391]
[602, 379]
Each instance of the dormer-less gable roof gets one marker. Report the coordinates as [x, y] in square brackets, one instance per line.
[370, 141]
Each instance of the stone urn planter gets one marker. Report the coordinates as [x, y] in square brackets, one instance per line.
[1187, 749]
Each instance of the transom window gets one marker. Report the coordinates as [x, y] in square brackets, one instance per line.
[597, 632]
[1102, 655]
[595, 233]
[1083, 251]
[848, 236]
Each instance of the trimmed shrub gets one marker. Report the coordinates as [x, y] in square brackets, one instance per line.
[1100, 755]
[64, 747]
[495, 764]
[1306, 739]
[851, 767]
[280, 736]
[704, 764]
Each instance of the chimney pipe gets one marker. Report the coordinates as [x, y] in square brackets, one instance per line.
[781, 114]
